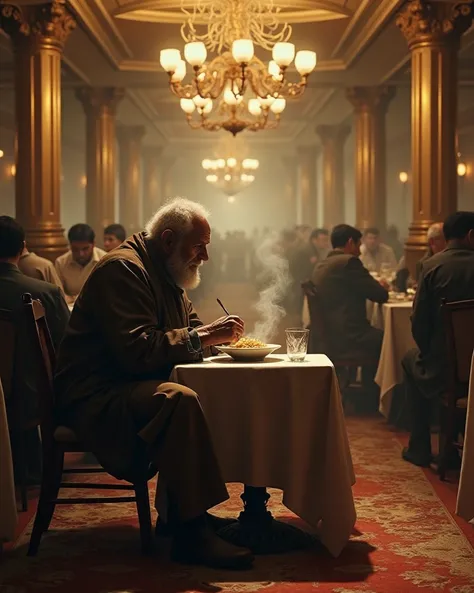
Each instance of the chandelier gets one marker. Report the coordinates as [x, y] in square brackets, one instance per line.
[230, 175]
[249, 94]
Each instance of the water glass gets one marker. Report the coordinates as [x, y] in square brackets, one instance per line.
[297, 343]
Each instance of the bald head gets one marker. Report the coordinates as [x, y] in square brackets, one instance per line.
[435, 237]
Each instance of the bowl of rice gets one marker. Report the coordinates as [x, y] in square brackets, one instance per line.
[248, 349]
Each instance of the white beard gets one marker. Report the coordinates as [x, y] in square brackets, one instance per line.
[184, 276]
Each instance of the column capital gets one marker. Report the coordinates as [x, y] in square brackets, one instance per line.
[434, 21]
[48, 24]
[130, 133]
[98, 99]
[335, 133]
[370, 98]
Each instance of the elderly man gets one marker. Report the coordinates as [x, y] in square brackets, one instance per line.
[374, 254]
[449, 274]
[436, 243]
[131, 324]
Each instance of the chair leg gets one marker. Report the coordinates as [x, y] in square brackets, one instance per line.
[22, 470]
[51, 481]
[144, 517]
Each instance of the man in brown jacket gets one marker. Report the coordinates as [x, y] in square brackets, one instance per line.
[131, 323]
[34, 266]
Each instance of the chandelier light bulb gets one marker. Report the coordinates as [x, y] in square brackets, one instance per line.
[170, 59]
[274, 70]
[187, 105]
[227, 177]
[206, 164]
[220, 163]
[230, 98]
[278, 105]
[180, 72]
[250, 178]
[231, 199]
[266, 102]
[242, 50]
[283, 53]
[243, 177]
[305, 62]
[195, 53]
[207, 107]
[1, 154]
[254, 107]
[403, 176]
[199, 101]
[231, 162]
[211, 178]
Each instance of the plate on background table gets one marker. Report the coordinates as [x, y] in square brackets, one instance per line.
[248, 354]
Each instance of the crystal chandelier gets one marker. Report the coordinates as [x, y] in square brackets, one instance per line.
[230, 175]
[249, 94]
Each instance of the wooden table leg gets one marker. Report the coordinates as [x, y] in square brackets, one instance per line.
[258, 531]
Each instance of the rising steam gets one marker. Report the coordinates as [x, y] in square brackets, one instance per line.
[277, 280]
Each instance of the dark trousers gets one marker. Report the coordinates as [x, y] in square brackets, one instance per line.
[420, 406]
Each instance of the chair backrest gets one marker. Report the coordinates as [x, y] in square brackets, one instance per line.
[7, 352]
[459, 323]
[43, 351]
[318, 332]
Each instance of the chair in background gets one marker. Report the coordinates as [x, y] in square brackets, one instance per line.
[58, 440]
[459, 324]
[17, 425]
[346, 367]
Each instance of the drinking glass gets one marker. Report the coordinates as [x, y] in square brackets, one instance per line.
[297, 343]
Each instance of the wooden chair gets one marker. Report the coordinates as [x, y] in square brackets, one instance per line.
[17, 424]
[459, 324]
[58, 440]
[318, 341]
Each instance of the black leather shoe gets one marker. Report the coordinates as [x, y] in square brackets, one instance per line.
[421, 460]
[214, 522]
[206, 548]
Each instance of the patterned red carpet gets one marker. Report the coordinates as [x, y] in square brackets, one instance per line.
[406, 541]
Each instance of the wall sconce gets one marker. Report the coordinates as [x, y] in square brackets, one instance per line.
[83, 181]
[1, 153]
[12, 170]
[461, 169]
[403, 176]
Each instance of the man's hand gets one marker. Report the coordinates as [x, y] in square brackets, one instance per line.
[222, 331]
[384, 283]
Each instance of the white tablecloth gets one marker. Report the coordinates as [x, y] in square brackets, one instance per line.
[8, 515]
[465, 503]
[280, 424]
[394, 319]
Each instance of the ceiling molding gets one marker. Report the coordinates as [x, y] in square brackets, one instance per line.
[103, 29]
[370, 29]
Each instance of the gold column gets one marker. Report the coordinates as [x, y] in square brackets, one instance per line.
[333, 139]
[100, 105]
[152, 191]
[433, 31]
[130, 152]
[38, 35]
[307, 189]
[370, 107]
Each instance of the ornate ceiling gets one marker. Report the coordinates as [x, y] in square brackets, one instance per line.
[118, 42]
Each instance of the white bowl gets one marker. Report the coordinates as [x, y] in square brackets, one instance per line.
[248, 354]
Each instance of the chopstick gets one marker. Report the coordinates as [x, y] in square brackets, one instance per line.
[223, 308]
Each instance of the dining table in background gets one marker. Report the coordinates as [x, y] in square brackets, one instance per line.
[465, 501]
[280, 424]
[8, 512]
[395, 320]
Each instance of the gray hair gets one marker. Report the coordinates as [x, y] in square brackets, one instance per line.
[435, 231]
[178, 214]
